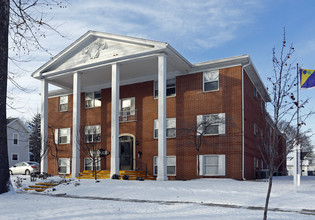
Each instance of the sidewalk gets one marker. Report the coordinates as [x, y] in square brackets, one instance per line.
[302, 211]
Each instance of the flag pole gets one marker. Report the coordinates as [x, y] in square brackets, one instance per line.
[298, 157]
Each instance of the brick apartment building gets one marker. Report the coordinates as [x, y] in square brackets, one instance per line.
[136, 99]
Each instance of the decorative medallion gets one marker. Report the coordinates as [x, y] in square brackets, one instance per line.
[93, 51]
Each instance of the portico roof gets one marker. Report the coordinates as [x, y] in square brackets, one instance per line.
[93, 54]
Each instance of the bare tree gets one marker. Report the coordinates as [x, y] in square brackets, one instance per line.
[283, 102]
[22, 23]
[206, 124]
[291, 135]
[91, 148]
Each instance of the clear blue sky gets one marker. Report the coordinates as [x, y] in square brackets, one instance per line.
[200, 30]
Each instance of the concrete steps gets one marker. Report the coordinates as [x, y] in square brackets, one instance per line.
[40, 187]
[105, 174]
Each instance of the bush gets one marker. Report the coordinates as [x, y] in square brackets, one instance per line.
[126, 177]
[140, 178]
[115, 177]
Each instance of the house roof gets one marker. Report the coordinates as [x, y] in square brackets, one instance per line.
[12, 120]
[9, 120]
[93, 54]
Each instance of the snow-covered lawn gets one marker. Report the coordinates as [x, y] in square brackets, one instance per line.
[195, 199]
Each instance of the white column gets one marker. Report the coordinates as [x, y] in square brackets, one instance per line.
[76, 125]
[44, 127]
[114, 158]
[162, 171]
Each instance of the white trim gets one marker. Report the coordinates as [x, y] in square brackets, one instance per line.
[67, 165]
[155, 88]
[63, 103]
[221, 164]
[134, 147]
[203, 80]
[17, 139]
[155, 164]
[243, 122]
[18, 156]
[155, 121]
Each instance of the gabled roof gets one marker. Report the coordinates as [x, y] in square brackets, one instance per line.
[12, 120]
[99, 48]
[9, 120]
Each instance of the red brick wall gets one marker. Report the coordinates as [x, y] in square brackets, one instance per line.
[190, 100]
[253, 115]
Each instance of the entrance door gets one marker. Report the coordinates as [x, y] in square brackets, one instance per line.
[126, 152]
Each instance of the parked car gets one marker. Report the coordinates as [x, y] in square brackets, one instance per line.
[24, 168]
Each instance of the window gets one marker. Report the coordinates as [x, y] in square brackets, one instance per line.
[255, 92]
[64, 165]
[63, 103]
[262, 104]
[211, 80]
[16, 139]
[92, 133]
[15, 157]
[212, 165]
[255, 129]
[170, 88]
[127, 106]
[93, 99]
[170, 128]
[88, 163]
[211, 124]
[62, 136]
[170, 165]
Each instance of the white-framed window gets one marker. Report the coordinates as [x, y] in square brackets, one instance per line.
[15, 139]
[15, 156]
[92, 133]
[211, 80]
[212, 165]
[170, 128]
[170, 165]
[64, 165]
[63, 103]
[62, 136]
[211, 124]
[170, 88]
[88, 163]
[93, 99]
[127, 106]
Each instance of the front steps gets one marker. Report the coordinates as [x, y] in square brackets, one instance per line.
[40, 187]
[105, 174]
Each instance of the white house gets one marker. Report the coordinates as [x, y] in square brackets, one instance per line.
[18, 141]
[307, 168]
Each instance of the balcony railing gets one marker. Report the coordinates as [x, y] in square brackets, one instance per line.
[127, 116]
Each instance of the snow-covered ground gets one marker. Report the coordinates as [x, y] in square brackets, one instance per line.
[195, 199]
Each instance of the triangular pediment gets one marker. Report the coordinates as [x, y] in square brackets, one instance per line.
[95, 47]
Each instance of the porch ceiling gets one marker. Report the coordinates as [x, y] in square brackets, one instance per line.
[131, 71]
